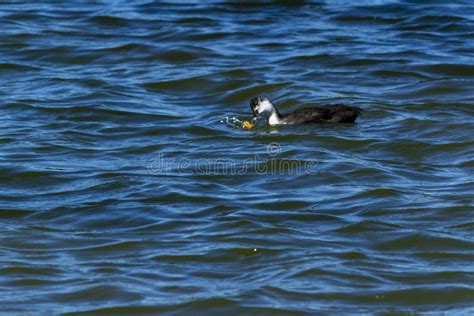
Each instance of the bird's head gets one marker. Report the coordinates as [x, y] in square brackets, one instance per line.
[261, 105]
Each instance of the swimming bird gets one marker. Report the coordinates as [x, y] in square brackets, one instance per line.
[337, 113]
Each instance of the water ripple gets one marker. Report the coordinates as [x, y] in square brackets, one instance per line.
[120, 191]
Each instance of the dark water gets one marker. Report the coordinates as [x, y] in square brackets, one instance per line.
[122, 192]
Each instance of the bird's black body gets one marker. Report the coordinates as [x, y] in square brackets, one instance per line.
[337, 113]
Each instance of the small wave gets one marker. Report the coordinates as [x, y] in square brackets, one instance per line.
[106, 20]
[424, 241]
[452, 70]
[17, 67]
[367, 227]
[368, 19]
